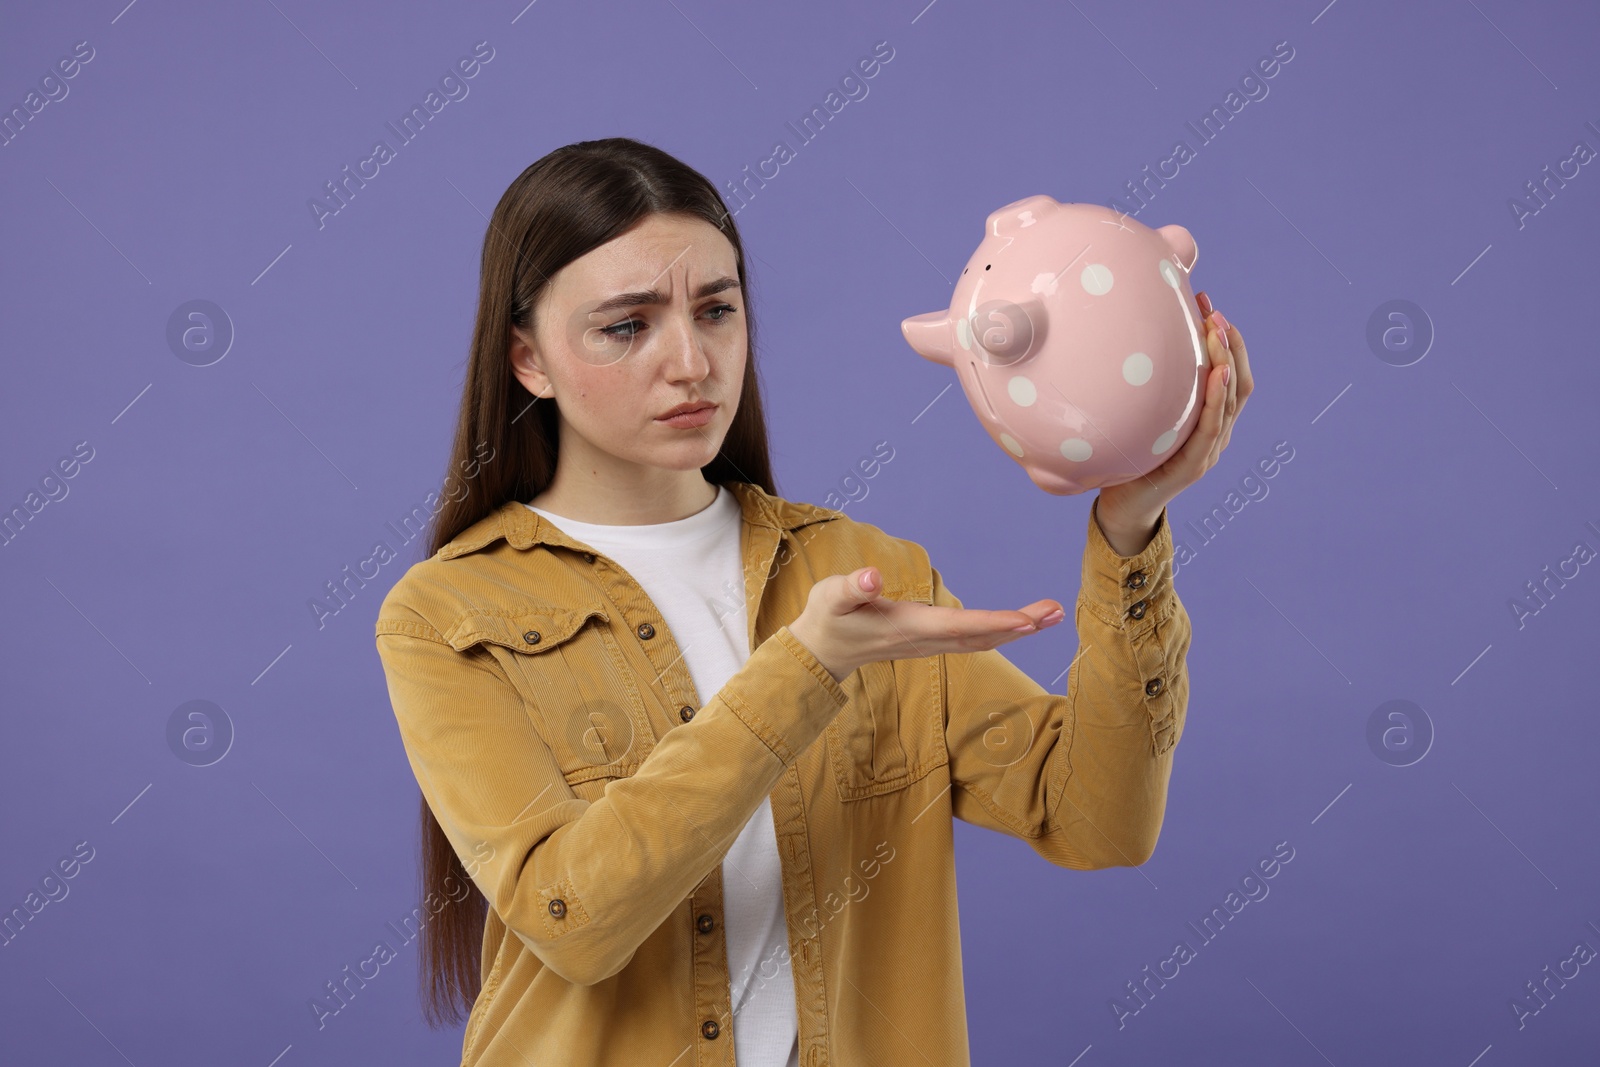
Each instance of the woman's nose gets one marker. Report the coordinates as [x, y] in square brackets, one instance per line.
[686, 357]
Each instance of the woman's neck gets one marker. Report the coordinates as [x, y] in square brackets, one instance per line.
[664, 499]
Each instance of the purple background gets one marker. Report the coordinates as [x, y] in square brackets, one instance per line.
[1380, 566]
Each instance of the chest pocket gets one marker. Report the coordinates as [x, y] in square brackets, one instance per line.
[884, 739]
[579, 694]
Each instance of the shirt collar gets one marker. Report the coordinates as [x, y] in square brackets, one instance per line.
[522, 528]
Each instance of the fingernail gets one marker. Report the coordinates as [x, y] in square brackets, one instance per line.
[1205, 302]
[1227, 372]
[1024, 628]
[1221, 325]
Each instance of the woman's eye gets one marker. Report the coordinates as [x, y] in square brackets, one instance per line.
[631, 327]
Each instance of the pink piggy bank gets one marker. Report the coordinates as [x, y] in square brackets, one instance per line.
[1077, 339]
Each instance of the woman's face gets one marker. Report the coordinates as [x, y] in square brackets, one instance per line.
[634, 328]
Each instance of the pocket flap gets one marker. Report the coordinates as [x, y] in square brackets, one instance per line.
[521, 631]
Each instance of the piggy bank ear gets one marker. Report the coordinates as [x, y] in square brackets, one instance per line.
[1018, 215]
[929, 336]
[1180, 242]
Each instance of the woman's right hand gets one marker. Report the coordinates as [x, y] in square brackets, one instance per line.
[846, 624]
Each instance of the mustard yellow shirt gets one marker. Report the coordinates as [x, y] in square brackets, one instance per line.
[592, 793]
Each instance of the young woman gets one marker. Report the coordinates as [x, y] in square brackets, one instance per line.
[689, 752]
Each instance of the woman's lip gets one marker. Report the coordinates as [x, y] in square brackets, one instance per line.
[696, 417]
[689, 411]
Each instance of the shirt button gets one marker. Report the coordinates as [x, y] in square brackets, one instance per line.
[646, 631]
[706, 924]
[710, 1028]
[1136, 580]
[1137, 611]
[558, 907]
[1152, 687]
[588, 557]
[686, 713]
[532, 637]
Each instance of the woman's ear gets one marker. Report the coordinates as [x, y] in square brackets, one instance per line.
[525, 365]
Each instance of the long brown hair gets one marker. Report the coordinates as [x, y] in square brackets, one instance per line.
[564, 205]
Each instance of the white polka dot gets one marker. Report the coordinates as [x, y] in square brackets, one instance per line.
[1026, 218]
[1076, 449]
[1011, 444]
[964, 334]
[1163, 442]
[1169, 273]
[1045, 283]
[1096, 279]
[1137, 368]
[1022, 390]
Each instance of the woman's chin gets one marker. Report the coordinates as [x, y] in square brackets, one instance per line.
[686, 455]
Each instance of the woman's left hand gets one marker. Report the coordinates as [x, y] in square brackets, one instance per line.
[1128, 512]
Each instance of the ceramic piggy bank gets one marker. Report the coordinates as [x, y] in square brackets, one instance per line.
[1077, 340]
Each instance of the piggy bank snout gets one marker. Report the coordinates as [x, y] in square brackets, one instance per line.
[1005, 332]
[929, 336]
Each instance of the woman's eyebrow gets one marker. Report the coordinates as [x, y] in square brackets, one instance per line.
[653, 296]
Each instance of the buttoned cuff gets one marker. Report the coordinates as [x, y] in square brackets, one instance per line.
[1126, 590]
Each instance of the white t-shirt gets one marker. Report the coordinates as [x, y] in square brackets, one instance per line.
[693, 572]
